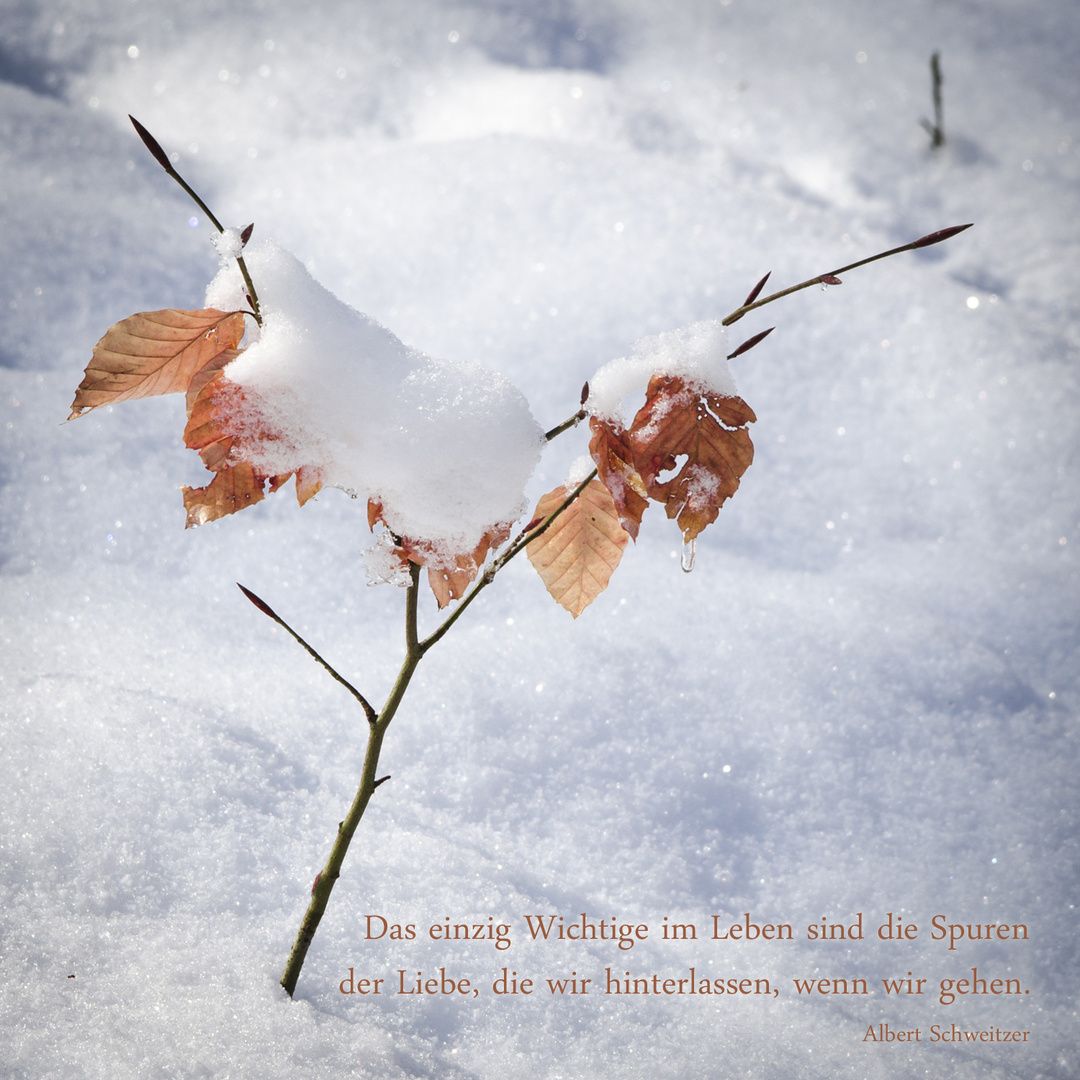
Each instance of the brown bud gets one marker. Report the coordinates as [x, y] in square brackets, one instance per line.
[755, 291]
[260, 604]
[747, 345]
[152, 145]
[941, 234]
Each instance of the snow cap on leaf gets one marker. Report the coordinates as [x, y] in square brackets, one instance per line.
[696, 353]
[444, 447]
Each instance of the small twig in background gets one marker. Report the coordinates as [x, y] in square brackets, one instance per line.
[937, 128]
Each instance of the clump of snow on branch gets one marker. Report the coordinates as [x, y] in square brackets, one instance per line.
[580, 468]
[445, 447]
[229, 244]
[695, 352]
[382, 563]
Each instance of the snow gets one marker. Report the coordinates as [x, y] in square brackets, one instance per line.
[694, 353]
[445, 447]
[863, 699]
[229, 244]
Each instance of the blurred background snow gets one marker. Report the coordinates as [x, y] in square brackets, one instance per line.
[865, 696]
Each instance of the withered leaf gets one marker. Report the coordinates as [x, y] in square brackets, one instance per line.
[208, 428]
[707, 429]
[613, 454]
[212, 429]
[577, 554]
[447, 583]
[308, 483]
[156, 352]
[233, 488]
[450, 584]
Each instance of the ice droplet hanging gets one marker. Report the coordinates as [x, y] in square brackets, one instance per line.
[688, 556]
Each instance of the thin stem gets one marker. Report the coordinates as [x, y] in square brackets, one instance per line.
[266, 609]
[566, 425]
[411, 637]
[163, 160]
[328, 876]
[525, 538]
[923, 241]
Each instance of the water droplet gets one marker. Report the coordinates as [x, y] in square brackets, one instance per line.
[688, 556]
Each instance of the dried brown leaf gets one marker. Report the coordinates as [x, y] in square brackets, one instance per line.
[614, 456]
[156, 352]
[308, 484]
[210, 410]
[577, 554]
[447, 582]
[233, 488]
[709, 431]
[450, 583]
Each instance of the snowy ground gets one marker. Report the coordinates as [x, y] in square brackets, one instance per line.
[863, 699]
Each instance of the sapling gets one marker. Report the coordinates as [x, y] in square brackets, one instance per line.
[312, 390]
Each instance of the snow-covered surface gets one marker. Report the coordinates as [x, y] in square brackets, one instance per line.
[863, 699]
[444, 447]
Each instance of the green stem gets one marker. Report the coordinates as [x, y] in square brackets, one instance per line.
[573, 421]
[526, 537]
[415, 649]
[327, 878]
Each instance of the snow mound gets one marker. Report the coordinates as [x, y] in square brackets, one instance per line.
[445, 447]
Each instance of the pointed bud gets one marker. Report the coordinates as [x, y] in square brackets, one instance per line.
[315, 883]
[152, 145]
[830, 279]
[260, 604]
[755, 291]
[245, 236]
[941, 234]
[584, 394]
[747, 345]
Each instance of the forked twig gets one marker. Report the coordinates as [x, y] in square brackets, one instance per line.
[833, 276]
